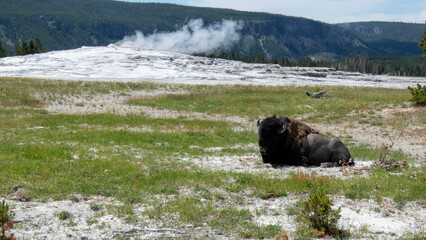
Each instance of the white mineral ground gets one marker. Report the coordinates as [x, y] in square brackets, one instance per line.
[132, 64]
[367, 219]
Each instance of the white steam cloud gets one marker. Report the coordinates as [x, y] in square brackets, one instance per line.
[194, 37]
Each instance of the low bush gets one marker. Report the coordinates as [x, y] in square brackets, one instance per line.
[418, 95]
[320, 216]
[64, 215]
[6, 221]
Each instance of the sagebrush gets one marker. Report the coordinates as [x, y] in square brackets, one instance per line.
[418, 95]
[6, 221]
[320, 215]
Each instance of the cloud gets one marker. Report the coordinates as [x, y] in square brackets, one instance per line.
[194, 37]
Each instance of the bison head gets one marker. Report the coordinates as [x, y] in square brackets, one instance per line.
[270, 132]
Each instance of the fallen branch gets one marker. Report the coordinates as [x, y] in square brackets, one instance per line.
[320, 94]
[165, 235]
[388, 163]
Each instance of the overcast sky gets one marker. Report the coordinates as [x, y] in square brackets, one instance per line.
[329, 11]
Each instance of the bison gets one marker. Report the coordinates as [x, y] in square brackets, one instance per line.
[284, 140]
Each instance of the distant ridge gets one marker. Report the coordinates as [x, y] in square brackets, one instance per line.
[65, 24]
[392, 38]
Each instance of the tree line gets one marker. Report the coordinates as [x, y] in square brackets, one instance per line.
[384, 65]
[33, 46]
[285, 62]
[380, 65]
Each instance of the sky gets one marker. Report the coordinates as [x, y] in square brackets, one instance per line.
[329, 11]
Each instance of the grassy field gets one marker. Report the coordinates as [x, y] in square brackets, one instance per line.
[255, 101]
[134, 157]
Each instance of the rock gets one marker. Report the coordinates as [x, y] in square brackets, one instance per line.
[19, 194]
[16, 188]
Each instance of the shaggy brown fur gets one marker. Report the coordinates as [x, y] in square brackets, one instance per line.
[297, 130]
[285, 140]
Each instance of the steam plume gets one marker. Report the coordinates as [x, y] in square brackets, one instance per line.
[191, 38]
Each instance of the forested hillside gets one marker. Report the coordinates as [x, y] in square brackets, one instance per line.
[394, 38]
[396, 31]
[65, 24]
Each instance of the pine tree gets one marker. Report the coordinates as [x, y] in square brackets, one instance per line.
[259, 59]
[18, 50]
[22, 49]
[31, 47]
[422, 44]
[38, 45]
[34, 46]
[3, 52]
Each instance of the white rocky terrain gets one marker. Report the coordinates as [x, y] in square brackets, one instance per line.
[127, 63]
[369, 219]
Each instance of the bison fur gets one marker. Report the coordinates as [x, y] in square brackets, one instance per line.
[287, 141]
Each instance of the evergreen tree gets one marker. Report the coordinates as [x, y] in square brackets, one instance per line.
[31, 47]
[22, 49]
[18, 50]
[422, 44]
[38, 45]
[3, 52]
[34, 46]
[259, 59]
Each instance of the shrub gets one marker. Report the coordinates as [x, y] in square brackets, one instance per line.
[419, 95]
[319, 214]
[64, 215]
[95, 207]
[5, 221]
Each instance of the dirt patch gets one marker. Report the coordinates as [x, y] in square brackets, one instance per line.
[364, 218]
[253, 164]
[37, 220]
[115, 103]
[383, 220]
[411, 140]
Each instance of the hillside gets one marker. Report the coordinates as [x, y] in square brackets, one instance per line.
[394, 38]
[396, 31]
[64, 24]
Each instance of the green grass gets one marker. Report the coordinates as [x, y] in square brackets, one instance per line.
[255, 101]
[16, 92]
[366, 152]
[193, 210]
[57, 155]
[124, 212]
[406, 186]
[135, 158]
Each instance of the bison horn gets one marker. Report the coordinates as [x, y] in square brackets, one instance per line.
[282, 129]
[258, 123]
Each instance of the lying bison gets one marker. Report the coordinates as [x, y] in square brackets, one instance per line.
[284, 140]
